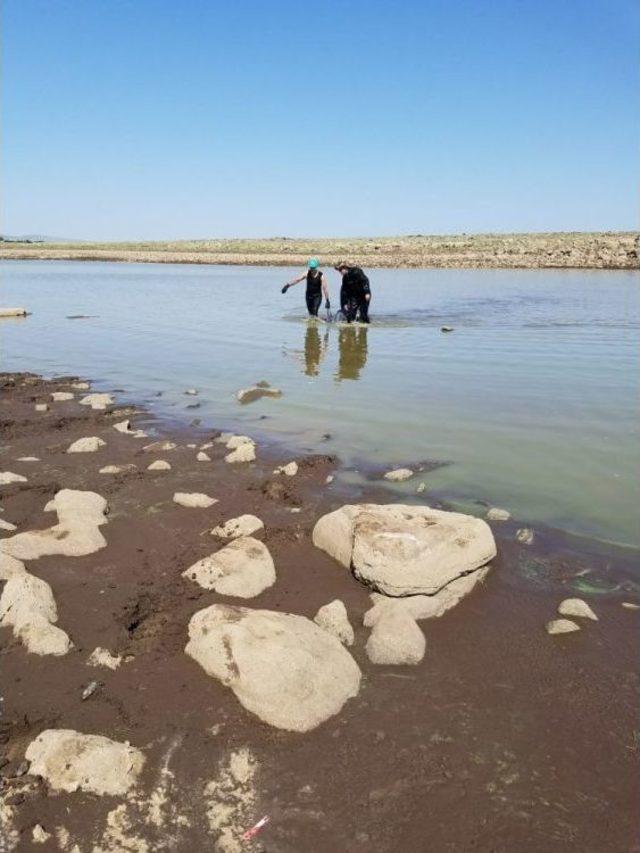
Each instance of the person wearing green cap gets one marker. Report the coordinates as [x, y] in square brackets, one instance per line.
[316, 287]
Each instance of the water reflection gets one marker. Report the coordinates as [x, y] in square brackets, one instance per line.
[352, 343]
[315, 349]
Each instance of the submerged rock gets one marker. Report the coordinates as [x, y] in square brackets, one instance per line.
[160, 445]
[561, 626]
[524, 536]
[283, 668]
[80, 515]
[98, 402]
[261, 389]
[243, 525]
[576, 607]
[242, 568]
[497, 514]
[333, 618]
[395, 639]
[405, 550]
[398, 475]
[71, 761]
[191, 392]
[86, 445]
[194, 500]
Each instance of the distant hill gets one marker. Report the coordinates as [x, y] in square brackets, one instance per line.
[36, 238]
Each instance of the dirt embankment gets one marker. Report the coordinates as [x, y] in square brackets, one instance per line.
[598, 250]
[501, 739]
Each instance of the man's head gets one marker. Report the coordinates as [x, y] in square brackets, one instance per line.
[342, 267]
[313, 264]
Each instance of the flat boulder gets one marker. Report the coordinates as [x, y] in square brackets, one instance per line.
[70, 761]
[281, 667]
[86, 445]
[243, 568]
[402, 550]
[234, 528]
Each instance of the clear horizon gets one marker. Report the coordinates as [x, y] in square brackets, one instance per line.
[147, 121]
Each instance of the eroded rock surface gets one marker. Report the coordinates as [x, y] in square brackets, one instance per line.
[405, 550]
[283, 668]
[242, 568]
[71, 761]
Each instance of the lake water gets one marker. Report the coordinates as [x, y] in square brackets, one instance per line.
[533, 399]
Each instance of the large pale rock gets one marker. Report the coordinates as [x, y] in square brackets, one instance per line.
[243, 568]
[234, 528]
[243, 453]
[8, 477]
[27, 606]
[98, 402]
[576, 607]
[194, 500]
[71, 761]
[333, 618]
[281, 667]
[80, 515]
[396, 639]
[86, 445]
[159, 465]
[405, 550]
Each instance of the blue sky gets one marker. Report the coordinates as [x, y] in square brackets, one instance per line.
[131, 119]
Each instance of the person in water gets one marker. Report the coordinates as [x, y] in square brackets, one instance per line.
[316, 288]
[355, 293]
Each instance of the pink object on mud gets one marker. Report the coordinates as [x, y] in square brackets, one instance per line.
[250, 833]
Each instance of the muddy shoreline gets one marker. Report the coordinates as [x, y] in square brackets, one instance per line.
[503, 738]
[596, 250]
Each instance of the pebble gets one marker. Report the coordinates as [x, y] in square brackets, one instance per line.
[203, 457]
[561, 626]
[524, 535]
[497, 514]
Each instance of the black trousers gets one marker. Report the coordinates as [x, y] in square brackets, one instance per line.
[355, 307]
[314, 301]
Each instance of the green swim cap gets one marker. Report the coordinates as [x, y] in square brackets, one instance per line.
[313, 264]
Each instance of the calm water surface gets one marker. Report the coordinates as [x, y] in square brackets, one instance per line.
[533, 399]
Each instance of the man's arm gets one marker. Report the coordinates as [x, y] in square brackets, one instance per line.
[291, 283]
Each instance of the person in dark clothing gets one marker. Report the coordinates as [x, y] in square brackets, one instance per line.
[355, 293]
[316, 288]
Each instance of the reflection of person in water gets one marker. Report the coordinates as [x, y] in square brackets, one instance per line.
[314, 349]
[352, 342]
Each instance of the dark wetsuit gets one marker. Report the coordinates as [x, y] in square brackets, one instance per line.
[353, 295]
[314, 292]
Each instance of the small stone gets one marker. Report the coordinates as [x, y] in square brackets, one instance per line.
[27, 459]
[117, 469]
[192, 392]
[41, 407]
[243, 525]
[62, 396]
[524, 535]
[89, 690]
[289, 470]
[159, 465]
[630, 605]
[194, 500]
[103, 657]
[561, 626]
[39, 835]
[80, 386]
[86, 445]
[329, 479]
[203, 457]
[206, 446]
[496, 514]
[398, 475]
[333, 618]
[576, 607]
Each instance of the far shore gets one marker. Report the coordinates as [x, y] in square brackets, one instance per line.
[562, 250]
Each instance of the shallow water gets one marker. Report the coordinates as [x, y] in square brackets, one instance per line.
[533, 399]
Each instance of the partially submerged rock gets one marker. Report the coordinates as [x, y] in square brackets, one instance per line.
[191, 392]
[243, 568]
[80, 386]
[160, 445]
[261, 389]
[27, 606]
[159, 465]
[98, 402]
[245, 452]
[395, 639]
[281, 667]
[80, 515]
[62, 396]
[86, 445]
[333, 618]
[71, 761]
[103, 657]
[289, 470]
[243, 525]
[194, 500]
[398, 475]
[497, 514]
[126, 429]
[576, 607]
[405, 550]
[8, 477]
[561, 626]
[234, 441]
[524, 535]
